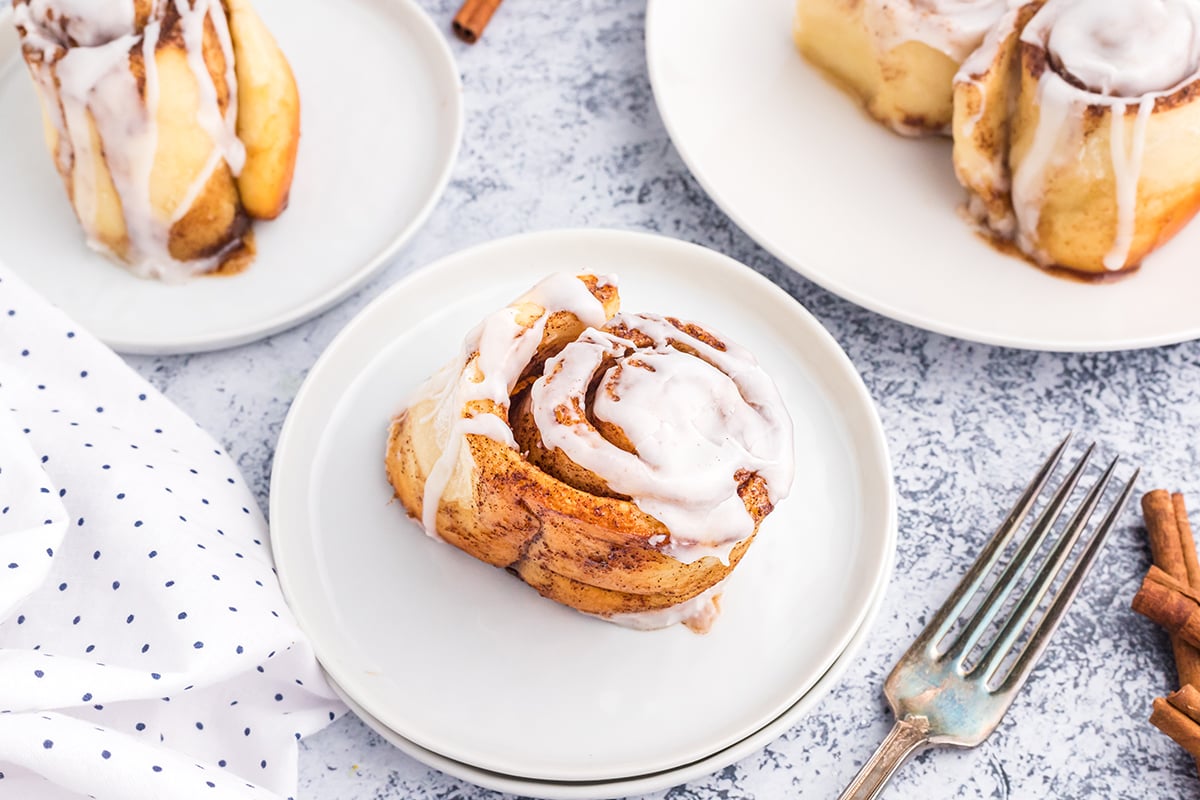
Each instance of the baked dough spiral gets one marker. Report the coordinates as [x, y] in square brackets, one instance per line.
[618, 463]
[1074, 129]
[171, 122]
[898, 56]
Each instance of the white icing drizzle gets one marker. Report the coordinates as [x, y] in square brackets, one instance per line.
[95, 85]
[1126, 53]
[1127, 164]
[695, 422]
[221, 128]
[699, 613]
[1121, 48]
[493, 356]
[86, 22]
[954, 27]
[81, 65]
[1028, 181]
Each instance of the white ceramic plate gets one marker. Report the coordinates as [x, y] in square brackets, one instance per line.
[641, 784]
[867, 214]
[381, 121]
[455, 655]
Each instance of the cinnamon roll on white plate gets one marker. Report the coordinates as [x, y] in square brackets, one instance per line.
[619, 463]
[444, 650]
[376, 155]
[172, 124]
[1075, 129]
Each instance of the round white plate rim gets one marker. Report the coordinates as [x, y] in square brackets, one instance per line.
[829, 280]
[337, 292]
[874, 444]
[642, 784]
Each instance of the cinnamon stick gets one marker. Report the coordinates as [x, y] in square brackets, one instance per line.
[1187, 542]
[472, 18]
[1187, 700]
[1172, 604]
[1163, 513]
[1178, 716]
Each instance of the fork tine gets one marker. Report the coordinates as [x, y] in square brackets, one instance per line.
[991, 659]
[956, 603]
[1005, 585]
[1044, 630]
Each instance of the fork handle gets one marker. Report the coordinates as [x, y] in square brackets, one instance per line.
[906, 735]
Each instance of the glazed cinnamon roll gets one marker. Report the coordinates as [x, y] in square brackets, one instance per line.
[171, 122]
[898, 56]
[617, 463]
[1074, 129]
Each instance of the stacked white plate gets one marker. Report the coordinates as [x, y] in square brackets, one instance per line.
[468, 669]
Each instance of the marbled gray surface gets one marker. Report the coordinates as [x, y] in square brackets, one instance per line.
[562, 131]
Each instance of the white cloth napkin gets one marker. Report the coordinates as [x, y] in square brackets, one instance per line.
[145, 647]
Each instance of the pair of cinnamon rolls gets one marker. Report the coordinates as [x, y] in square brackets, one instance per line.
[1072, 120]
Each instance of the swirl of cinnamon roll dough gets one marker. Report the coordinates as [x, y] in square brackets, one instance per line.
[1074, 129]
[898, 56]
[171, 122]
[617, 463]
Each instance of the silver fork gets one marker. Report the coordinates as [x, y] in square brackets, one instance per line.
[937, 696]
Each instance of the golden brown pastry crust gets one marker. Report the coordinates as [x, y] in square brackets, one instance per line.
[907, 88]
[998, 109]
[530, 511]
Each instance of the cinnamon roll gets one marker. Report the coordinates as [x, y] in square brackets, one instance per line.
[171, 122]
[898, 56]
[617, 463]
[1074, 129]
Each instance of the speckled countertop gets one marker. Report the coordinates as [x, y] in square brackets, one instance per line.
[562, 131]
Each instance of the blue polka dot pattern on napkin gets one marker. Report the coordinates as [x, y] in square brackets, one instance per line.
[145, 648]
